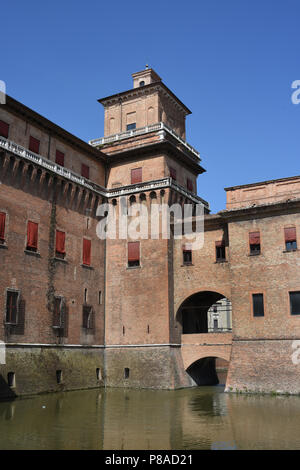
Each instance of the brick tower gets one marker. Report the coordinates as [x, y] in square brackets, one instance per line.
[149, 162]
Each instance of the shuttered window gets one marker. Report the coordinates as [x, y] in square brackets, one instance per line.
[173, 173]
[12, 306]
[32, 236]
[60, 158]
[4, 129]
[290, 238]
[2, 226]
[60, 250]
[136, 175]
[85, 171]
[254, 242]
[34, 144]
[86, 255]
[133, 254]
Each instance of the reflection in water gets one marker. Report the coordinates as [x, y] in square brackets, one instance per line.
[196, 418]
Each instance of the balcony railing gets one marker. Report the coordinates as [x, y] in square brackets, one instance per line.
[160, 126]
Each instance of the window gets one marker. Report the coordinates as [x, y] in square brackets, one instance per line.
[60, 158]
[220, 251]
[59, 376]
[131, 126]
[126, 373]
[59, 312]
[142, 83]
[254, 241]
[133, 254]
[187, 254]
[86, 254]
[295, 303]
[32, 236]
[136, 175]
[173, 173]
[189, 184]
[11, 379]
[215, 324]
[87, 317]
[4, 129]
[60, 251]
[85, 171]
[2, 227]
[258, 305]
[12, 306]
[34, 144]
[290, 239]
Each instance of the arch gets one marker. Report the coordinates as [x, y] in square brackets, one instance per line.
[203, 312]
[205, 371]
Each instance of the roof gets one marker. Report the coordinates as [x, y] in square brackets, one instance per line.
[261, 183]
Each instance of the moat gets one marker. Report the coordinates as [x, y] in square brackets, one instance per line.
[115, 419]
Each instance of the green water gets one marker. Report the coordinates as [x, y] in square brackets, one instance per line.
[197, 418]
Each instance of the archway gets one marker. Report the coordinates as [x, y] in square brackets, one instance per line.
[205, 312]
[208, 371]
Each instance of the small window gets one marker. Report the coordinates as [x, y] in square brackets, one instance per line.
[187, 255]
[258, 305]
[58, 313]
[254, 242]
[295, 303]
[85, 171]
[59, 376]
[12, 307]
[2, 227]
[126, 373]
[220, 251]
[100, 297]
[215, 324]
[87, 317]
[60, 158]
[131, 126]
[4, 129]
[98, 373]
[60, 251]
[11, 379]
[290, 239]
[32, 236]
[133, 254]
[87, 248]
[85, 295]
[142, 83]
[34, 144]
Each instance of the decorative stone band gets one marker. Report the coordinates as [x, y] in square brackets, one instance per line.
[52, 167]
[160, 126]
[90, 346]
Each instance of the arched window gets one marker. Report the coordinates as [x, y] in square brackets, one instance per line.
[142, 83]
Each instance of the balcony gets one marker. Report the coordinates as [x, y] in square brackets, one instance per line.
[160, 126]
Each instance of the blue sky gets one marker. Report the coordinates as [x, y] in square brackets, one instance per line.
[231, 62]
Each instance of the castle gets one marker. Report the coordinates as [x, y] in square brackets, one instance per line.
[79, 311]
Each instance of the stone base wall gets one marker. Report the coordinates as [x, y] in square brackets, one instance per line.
[149, 367]
[264, 366]
[35, 369]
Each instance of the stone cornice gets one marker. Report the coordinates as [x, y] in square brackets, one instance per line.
[261, 211]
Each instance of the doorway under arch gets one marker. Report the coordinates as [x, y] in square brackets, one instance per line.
[205, 312]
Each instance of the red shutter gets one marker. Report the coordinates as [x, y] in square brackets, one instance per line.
[290, 234]
[4, 128]
[60, 158]
[2, 225]
[32, 235]
[60, 242]
[136, 175]
[220, 243]
[173, 173]
[86, 256]
[189, 185]
[254, 238]
[85, 171]
[34, 144]
[133, 251]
